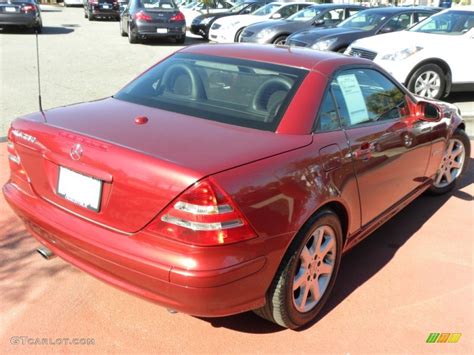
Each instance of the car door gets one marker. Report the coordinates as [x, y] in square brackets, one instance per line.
[389, 145]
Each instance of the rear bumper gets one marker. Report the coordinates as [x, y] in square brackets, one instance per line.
[133, 265]
[150, 30]
[28, 19]
[114, 12]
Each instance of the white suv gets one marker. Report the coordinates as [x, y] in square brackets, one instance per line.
[432, 58]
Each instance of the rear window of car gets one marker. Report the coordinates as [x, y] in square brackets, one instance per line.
[157, 4]
[238, 92]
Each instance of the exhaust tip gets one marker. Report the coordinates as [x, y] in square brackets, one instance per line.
[45, 253]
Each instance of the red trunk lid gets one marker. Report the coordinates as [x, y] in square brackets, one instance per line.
[143, 167]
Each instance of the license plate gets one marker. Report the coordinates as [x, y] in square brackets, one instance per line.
[10, 9]
[105, 6]
[162, 30]
[80, 189]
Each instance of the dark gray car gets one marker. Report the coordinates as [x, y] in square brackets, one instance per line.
[364, 24]
[144, 19]
[24, 13]
[323, 15]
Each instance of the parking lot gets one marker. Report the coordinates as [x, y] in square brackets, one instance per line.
[413, 277]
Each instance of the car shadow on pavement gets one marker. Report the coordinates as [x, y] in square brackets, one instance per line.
[364, 260]
[22, 271]
[47, 30]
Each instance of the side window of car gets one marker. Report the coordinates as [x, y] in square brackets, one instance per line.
[287, 11]
[398, 23]
[366, 96]
[328, 119]
[420, 16]
[350, 12]
[334, 16]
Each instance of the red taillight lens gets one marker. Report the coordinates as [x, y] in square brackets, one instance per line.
[142, 16]
[28, 8]
[203, 215]
[178, 17]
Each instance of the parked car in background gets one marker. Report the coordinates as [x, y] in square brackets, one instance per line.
[94, 9]
[21, 13]
[364, 24]
[202, 23]
[432, 58]
[68, 3]
[199, 8]
[321, 15]
[230, 178]
[228, 29]
[144, 19]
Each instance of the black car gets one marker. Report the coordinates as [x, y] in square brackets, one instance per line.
[324, 15]
[364, 24]
[201, 24]
[143, 19]
[101, 8]
[24, 13]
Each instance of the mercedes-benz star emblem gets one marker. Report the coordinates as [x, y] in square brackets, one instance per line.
[76, 152]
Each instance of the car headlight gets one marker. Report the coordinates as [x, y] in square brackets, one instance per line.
[206, 20]
[264, 33]
[403, 54]
[324, 45]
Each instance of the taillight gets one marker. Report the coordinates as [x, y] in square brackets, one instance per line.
[28, 8]
[178, 17]
[203, 215]
[142, 16]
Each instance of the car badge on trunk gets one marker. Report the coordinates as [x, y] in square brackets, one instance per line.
[76, 152]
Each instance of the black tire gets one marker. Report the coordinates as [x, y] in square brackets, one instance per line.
[424, 69]
[280, 40]
[463, 138]
[180, 39]
[132, 36]
[38, 29]
[90, 16]
[280, 307]
[237, 34]
[85, 14]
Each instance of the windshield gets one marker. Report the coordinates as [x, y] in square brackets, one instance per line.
[305, 15]
[233, 91]
[266, 10]
[238, 7]
[365, 21]
[448, 23]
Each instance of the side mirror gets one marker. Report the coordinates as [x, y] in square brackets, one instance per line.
[319, 22]
[428, 111]
[276, 16]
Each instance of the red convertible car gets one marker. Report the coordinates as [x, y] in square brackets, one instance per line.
[229, 178]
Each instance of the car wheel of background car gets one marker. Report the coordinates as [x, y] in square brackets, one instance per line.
[90, 16]
[307, 273]
[428, 81]
[280, 41]
[132, 36]
[454, 163]
[180, 39]
[237, 34]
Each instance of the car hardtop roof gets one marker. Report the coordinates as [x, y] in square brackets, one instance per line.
[303, 58]
[393, 9]
[337, 6]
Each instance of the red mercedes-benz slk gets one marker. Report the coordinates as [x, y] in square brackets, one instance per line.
[230, 178]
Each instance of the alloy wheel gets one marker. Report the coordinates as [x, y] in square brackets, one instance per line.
[451, 165]
[314, 269]
[428, 84]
